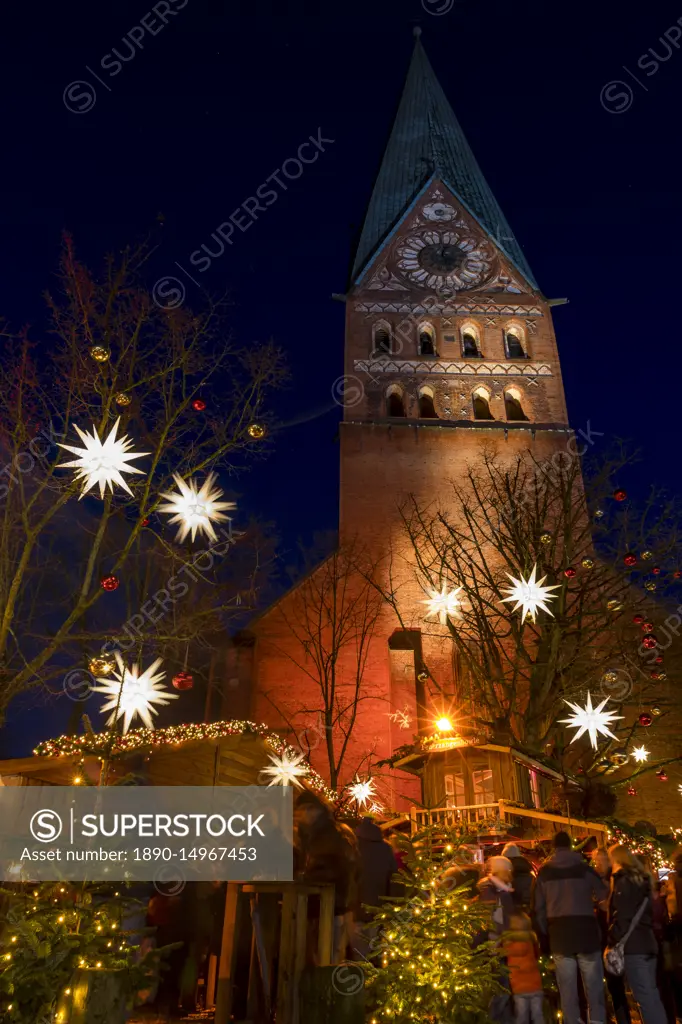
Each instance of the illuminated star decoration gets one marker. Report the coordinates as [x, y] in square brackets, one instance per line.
[590, 720]
[285, 769]
[134, 693]
[196, 510]
[640, 754]
[362, 792]
[443, 603]
[102, 462]
[530, 594]
[401, 718]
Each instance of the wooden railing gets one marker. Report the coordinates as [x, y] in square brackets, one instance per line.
[497, 817]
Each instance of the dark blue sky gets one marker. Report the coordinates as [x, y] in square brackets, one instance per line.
[220, 97]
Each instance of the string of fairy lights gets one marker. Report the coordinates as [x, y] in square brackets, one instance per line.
[287, 763]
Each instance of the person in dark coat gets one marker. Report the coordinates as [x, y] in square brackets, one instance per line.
[614, 983]
[325, 854]
[563, 902]
[522, 875]
[377, 865]
[630, 888]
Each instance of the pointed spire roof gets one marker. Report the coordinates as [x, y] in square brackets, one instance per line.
[426, 141]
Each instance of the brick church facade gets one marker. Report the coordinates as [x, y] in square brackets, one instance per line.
[449, 348]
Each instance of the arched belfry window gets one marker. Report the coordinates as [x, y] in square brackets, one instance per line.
[513, 342]
[427, 409]
[512, 405]
[470, 344]
[427, 340]
[395, 401]
[481, 400]
[381, 339]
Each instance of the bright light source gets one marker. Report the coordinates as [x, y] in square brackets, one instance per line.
[444, 725]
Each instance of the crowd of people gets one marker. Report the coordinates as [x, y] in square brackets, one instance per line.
[607, 923]
[602, 916]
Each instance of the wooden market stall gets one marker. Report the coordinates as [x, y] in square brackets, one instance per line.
[265, 925]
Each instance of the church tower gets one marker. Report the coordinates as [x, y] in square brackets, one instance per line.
[449, 341]
[449, 347]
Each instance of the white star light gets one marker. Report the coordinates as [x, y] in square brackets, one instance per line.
[285, 770]
[640, 754]
[102, 462]
[133, 693]
[362, 792]
[196, 509]
[530, 594]
[443, 603]
[590, 720]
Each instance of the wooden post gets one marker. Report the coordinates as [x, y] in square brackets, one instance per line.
[285, 992]
[301, 936]
[228, 955]
[326, 939]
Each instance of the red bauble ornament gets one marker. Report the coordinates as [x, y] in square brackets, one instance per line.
[647, 627]
[145, 521]
[649, 642]
[638, 619]
[632, 791]
[630, 559]
[656, 570]
[662, 775]
[677, 574]
[620, 495]
[109, 582]
[658, 660]
[570, 572]
[199, 404]
[654, 674]
[183, 681]
[645, 719]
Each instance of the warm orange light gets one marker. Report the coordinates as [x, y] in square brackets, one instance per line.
[444, 725]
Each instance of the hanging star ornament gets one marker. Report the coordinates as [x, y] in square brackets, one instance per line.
[590, 720]
[530, 595]
[362, 792]
[134, 693]
[102, 462]
[444, 603]
[196, 510]
[640, 754]
[285, 769]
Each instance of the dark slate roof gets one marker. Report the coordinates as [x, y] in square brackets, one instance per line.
[427, 140]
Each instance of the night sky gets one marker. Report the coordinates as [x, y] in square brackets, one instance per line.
[212, 104]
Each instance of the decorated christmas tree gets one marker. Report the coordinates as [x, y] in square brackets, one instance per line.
[431, 960]
[55, 935]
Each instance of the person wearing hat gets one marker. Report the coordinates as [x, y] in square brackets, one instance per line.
[522, 875]
[496, 889]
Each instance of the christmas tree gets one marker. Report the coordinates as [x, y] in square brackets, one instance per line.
[53, 931]
[434, 962]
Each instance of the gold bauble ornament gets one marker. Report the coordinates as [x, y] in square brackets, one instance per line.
[99, 353]
[598, 513]
[256, 431]
[649, 585]
[122, 399]
[647, 554]
[610, 676]
[614, 606]
[102, 666]
[546, 538]
[656, 711]
[587, 563]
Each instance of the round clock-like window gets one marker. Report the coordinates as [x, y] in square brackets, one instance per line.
[445, 259]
